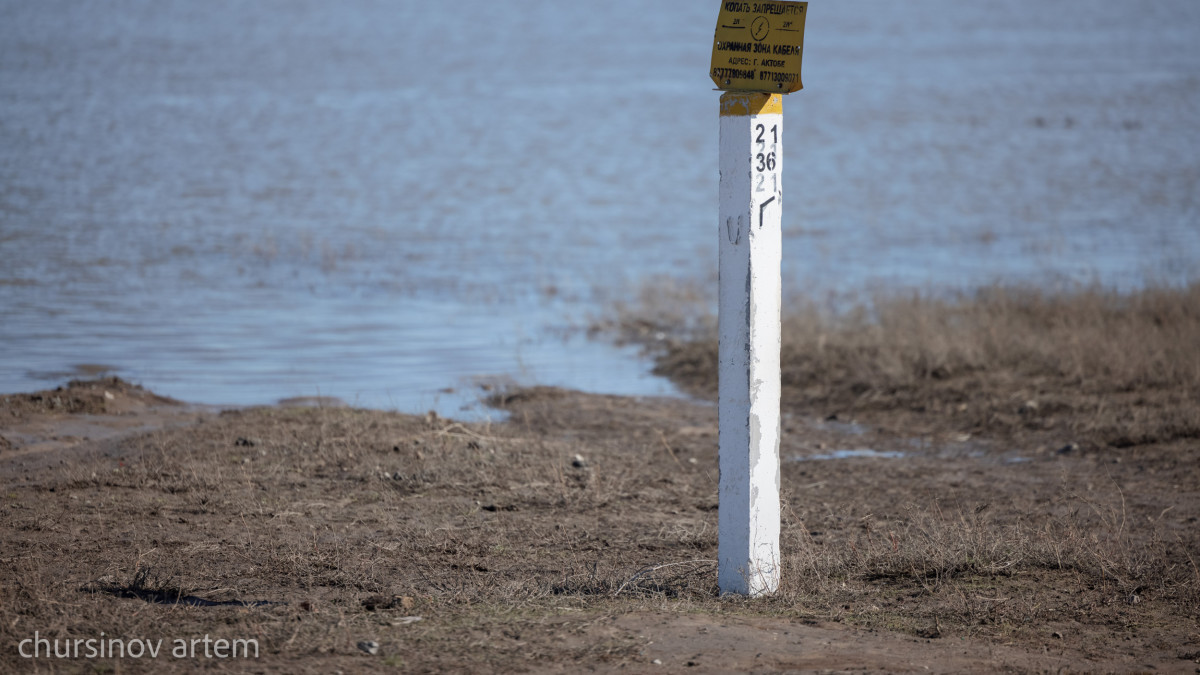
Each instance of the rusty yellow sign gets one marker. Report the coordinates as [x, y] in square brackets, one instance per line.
[758, 46]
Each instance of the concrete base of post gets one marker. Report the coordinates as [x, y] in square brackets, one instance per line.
[751, 153]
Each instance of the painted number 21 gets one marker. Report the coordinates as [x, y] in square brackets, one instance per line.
[766, 160]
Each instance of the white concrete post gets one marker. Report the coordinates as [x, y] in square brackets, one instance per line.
[748, 417]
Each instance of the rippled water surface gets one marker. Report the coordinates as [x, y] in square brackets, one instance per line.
[236, 202]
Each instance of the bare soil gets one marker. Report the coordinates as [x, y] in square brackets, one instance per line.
[972, 511]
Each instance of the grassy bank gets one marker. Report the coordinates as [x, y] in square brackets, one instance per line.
[1092, 366]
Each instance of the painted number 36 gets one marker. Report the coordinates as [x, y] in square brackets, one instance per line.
[766, 160]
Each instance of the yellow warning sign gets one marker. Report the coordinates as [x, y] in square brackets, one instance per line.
[758, 46]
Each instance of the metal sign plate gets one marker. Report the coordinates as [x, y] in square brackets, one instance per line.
[758, 46]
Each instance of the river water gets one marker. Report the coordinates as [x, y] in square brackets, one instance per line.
[389, 202]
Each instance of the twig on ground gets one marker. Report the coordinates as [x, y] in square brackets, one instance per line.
[663, 437]
[654, 568]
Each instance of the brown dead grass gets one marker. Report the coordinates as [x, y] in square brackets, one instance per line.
[1091, 365]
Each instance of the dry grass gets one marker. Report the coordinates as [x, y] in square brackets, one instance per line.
[1098, 366]
[1090, 336]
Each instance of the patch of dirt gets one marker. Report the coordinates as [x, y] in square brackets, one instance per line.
[36, 429]
[110, 395]
[702, 643]
[581, 535]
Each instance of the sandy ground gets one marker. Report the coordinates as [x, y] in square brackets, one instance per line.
[577, 536]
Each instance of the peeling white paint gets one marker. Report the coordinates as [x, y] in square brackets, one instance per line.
[751, 153]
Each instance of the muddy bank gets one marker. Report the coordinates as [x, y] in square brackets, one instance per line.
[581, 534]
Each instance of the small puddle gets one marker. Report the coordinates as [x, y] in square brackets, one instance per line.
[856, 453]
[840, 426]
